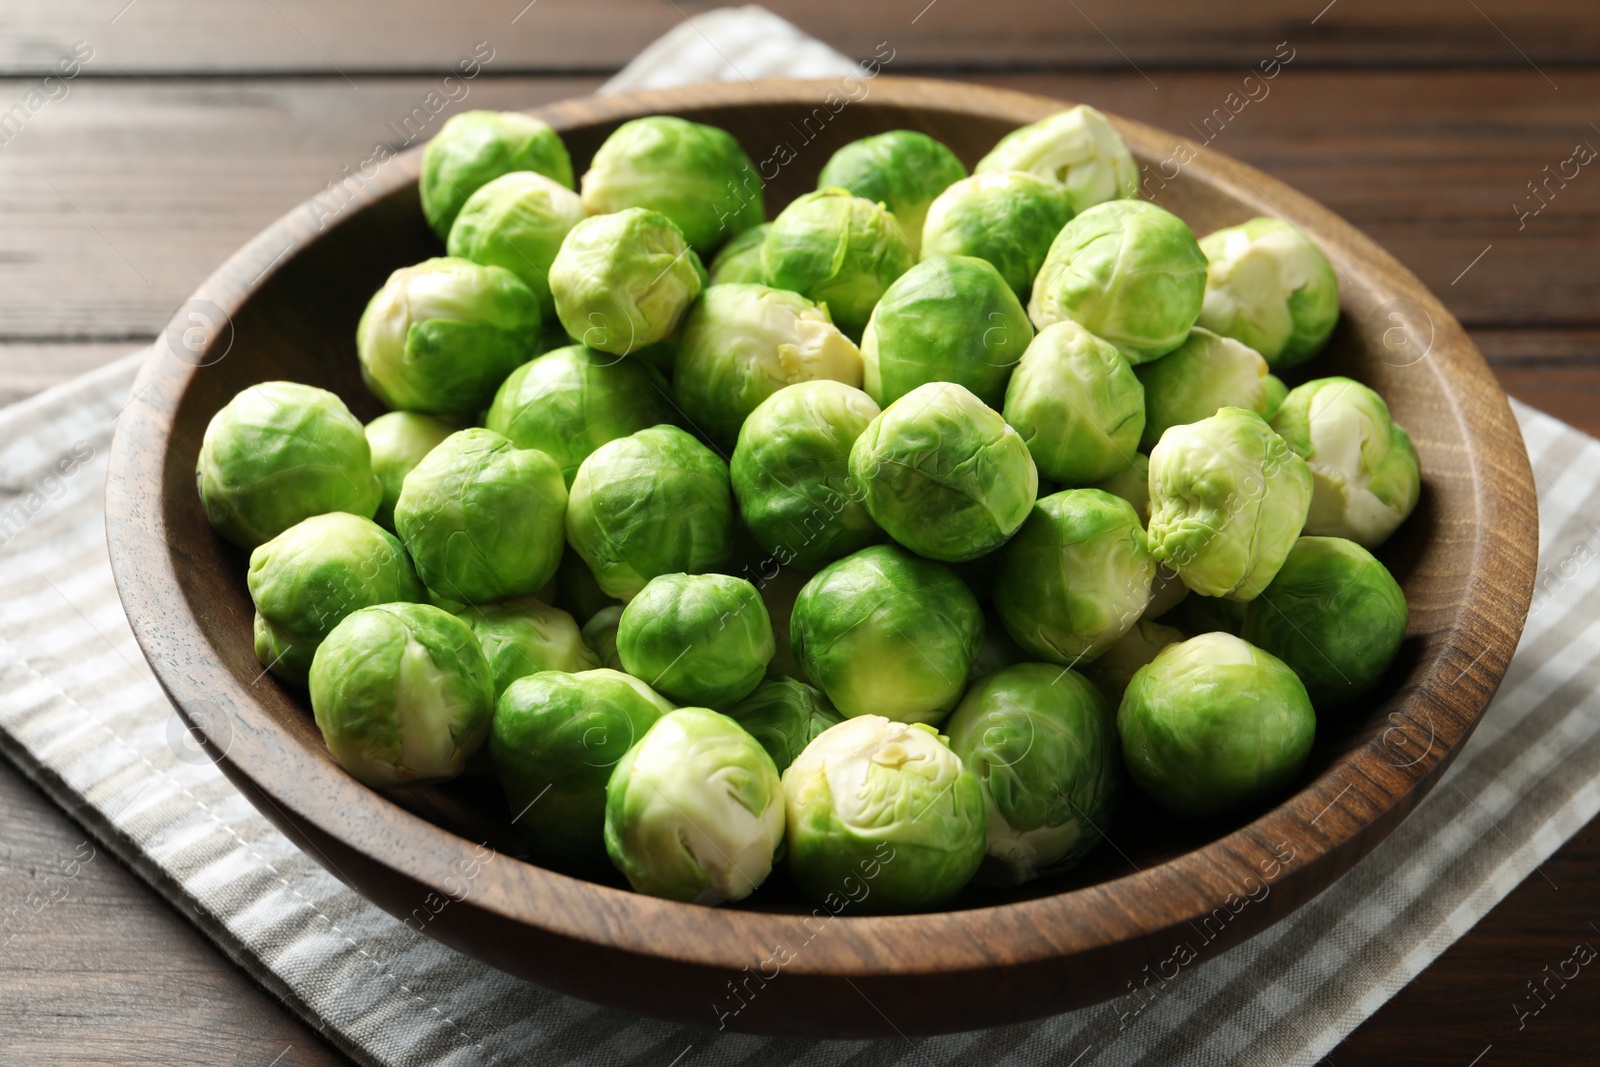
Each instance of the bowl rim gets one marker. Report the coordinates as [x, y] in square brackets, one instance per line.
[1336, 819]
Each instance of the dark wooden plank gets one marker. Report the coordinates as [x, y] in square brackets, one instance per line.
[337, 39]
[96, 969]
[1464, 1005]
[116, 202]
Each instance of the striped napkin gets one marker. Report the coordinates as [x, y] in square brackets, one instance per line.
[81, 714]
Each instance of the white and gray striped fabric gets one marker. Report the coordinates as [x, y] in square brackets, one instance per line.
[81, 714]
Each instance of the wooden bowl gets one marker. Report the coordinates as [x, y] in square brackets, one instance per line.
[1156, 895]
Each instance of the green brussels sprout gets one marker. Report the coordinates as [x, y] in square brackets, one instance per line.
[402, 694]
[518, 222]
[1007, 217]
[699, 639]
[441, 336]
[1213, 723]
[483, 518]
[280, 452]
[1078, 148]
[1276, 392]
[555, 739]
[882, 815]
[1043, 745]
[577, 592]
[1198, 614]
[622, 282]
[785, 715]
[695, 810]
[308, 578]
[695, 175]
[947, 319]
[998, 651]
[1077, 404]
[739, 261]
[476, 147]
[1227, 499]
[1364, 474]
[600, 634]
[654, 502]
[1270, 287]
[1076, 577]
[569, 402]
[522, 636]
[1334, 614]
[791, 473]
[1131, 483]
[398, 441]
[1126, 271]
[885, 632]
[944, 474]
[839, 250]
[742, 343]
[903, 170]
[1204, 374]
[1116, 666]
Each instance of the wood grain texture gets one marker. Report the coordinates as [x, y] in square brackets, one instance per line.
[339, 39]
[92, 975]
[118, 201]
[1466, 561]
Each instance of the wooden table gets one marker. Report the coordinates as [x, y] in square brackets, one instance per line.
[188, 126]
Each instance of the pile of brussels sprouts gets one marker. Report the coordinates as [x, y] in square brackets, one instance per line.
[887, 547]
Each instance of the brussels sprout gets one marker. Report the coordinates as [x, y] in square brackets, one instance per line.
[885, 632]
[523, 636]
[838, 250]
[555, 739]
[695, 175]
[1204, 374]
[1131, 483]
[944, 474]
[1117, 665]
[402, 694]
[659, 357]
[1269, 287]
[1365, 480]
[623, 281]
[600, 634]
[1077, 404]
[476, 147]
[694, 811]
[739, 261]
[483, 518]
[1213, 723]
[569, 402]
[1227, 499]
[791, 473]
[1043, 745]
[700, 639]
[518, 222]
[577, 592]
[654, 502]
[883, 815]
[308, 578]
[903, 170]
[1078, 148]
[441, 336]
[1076, 577]
[785, 715]
[1276, 392]
[398, 441]
[1334, 614]
[948, 319]
[1127, 272]
[742, 343]
[280, 452]
[1007, 217]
